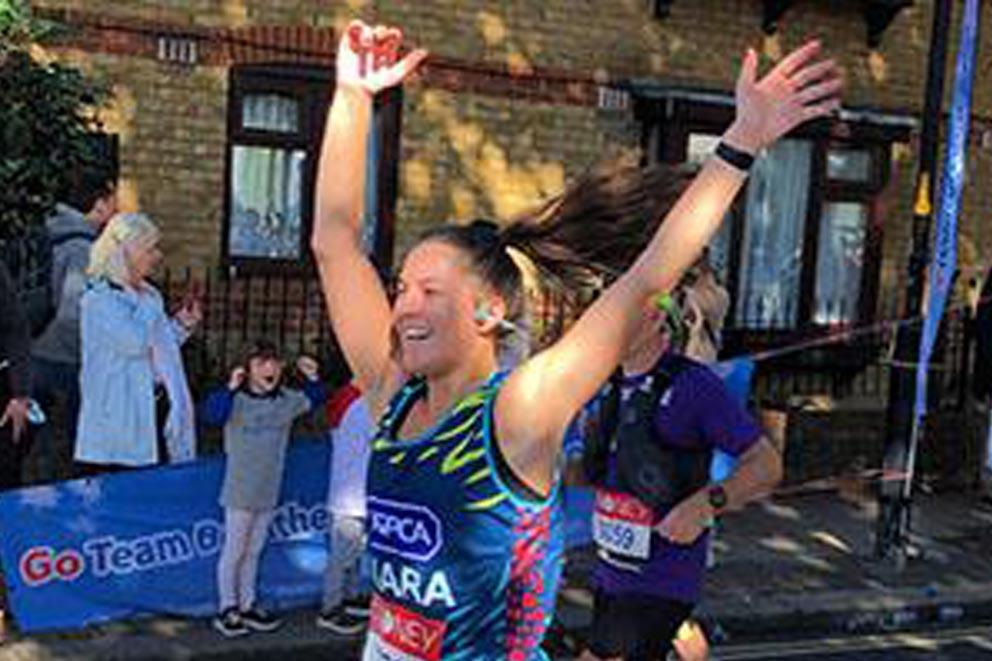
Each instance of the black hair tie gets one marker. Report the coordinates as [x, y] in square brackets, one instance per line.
[486, 233]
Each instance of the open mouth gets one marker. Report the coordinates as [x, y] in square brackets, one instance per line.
[414, 334]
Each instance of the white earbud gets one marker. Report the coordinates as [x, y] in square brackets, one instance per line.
[482, 315]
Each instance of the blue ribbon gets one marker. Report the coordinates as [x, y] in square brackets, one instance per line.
[945, 251]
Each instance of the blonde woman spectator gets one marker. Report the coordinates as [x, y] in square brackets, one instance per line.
[136, 407]
[705, 308]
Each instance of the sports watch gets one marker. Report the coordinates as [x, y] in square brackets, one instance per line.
[716, 496]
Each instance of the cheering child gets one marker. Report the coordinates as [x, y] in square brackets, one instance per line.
[257, 412]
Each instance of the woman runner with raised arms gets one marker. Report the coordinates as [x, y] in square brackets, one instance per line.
[462, 486]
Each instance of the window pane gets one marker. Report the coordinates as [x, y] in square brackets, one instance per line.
[720, 249]
[266, 202]
[700, 146]
[270, 112]
[771, 261]
[840, 259]
[849, 165]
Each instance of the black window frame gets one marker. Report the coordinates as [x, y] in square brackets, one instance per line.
[312, 87]
[667, 123]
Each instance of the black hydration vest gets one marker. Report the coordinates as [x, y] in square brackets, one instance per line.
[659, 475]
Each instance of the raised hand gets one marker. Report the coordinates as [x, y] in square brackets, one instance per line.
[308, 367]
[238, 376]
[367, 58]
[801, 87]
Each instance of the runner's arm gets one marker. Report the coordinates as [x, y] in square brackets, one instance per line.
[541, 396]
[356, 299]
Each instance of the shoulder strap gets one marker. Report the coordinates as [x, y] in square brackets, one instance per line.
[399, 407]
[598, 434]
[665, 373]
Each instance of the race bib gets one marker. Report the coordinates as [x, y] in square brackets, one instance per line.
[622, 524]
[398, 634]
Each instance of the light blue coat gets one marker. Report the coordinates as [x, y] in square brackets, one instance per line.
[125, 335]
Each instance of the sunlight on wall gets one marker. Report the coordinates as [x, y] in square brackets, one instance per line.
[417, 180]
[771, 47]
[487, 173]
[235, 13]
[878, 67]
[491, 27]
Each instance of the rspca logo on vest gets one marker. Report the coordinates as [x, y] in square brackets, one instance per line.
[410, 531]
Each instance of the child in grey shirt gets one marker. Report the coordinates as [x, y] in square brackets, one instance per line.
[257, 413]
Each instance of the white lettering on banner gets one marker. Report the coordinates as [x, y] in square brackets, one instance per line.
[407, 583]
[108, 556]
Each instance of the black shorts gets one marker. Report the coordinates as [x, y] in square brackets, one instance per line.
[635, 627]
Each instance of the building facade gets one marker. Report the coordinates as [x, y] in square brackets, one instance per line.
[219, 106]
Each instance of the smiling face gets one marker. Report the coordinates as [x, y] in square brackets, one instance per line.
[264, 374]
[433, 320]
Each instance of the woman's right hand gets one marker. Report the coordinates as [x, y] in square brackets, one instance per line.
[367, 58]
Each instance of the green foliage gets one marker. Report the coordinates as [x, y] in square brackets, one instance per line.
[47, 125]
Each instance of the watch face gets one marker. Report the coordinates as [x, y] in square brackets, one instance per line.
[717, 497]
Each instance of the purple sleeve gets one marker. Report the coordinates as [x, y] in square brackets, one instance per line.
[721, 420]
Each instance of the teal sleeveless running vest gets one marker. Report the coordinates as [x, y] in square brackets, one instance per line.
[463, 565]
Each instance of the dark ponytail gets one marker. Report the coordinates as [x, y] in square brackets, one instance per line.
[591, 233]
[577, 241]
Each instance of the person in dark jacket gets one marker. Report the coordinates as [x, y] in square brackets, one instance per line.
[15, 383]
[55, 353]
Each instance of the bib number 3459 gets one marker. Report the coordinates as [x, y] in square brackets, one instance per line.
[622, 525]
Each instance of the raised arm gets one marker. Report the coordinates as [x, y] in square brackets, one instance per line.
[541, 397]
[356, 300]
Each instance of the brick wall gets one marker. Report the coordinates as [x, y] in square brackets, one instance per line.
[506, 115]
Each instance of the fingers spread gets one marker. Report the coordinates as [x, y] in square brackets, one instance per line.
[820, 91]
[798, 59]
[821, 109]
[815, 72]
[405, 66]
[749, 68]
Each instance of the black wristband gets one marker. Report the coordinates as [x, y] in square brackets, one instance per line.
[735, 157]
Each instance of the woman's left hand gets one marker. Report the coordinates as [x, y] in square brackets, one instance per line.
[799, 88]
[687, 520]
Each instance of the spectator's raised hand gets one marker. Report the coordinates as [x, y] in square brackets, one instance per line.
[799, 88]
[368, 57]
[238, 376]
[308, 367]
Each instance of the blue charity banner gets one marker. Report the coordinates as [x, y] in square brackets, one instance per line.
[147, 542]
[946, 240]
